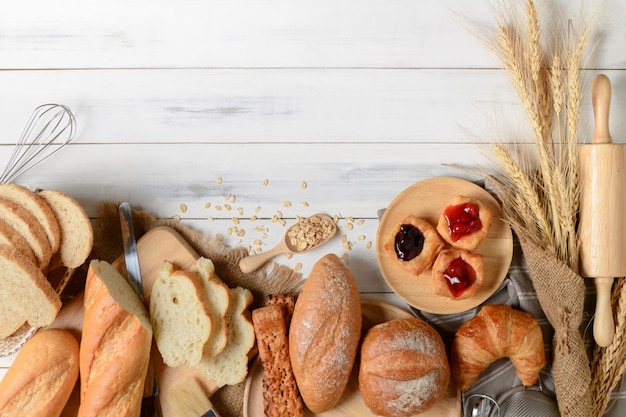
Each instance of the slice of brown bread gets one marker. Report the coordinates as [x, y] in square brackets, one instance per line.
[25, 294]
[180, 320]
[280, 391]
[76, 229]
[11, 237]
[38, 207]
[216, 297]
[27, 225]
[230, 367]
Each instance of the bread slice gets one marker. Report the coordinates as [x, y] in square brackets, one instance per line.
[180, 320]
[76, 229]
[216, 297]
[25, 294]
[230, 367]
[280, 391]
[27, 225]
[11, 237]
[38, 207]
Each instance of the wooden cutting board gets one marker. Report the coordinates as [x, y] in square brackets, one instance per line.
[156, 246]
[351, 403]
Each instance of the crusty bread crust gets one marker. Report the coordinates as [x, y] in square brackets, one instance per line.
[324, 333]
[115, 346]
[404, 368]
[42, 377]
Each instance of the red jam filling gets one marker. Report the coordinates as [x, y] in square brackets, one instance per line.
[463, 220]
[460, 276]
[409, 242]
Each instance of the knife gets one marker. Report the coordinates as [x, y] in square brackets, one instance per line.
[149, 404]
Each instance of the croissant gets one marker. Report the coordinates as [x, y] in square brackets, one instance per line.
[497, 331]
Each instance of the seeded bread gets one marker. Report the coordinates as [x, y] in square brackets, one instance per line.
[42, 377]
[230, 367]
[11, 237]
[280, 391]
[115, 345]
[38, 207]
[180, 320]
[27, 225]
[76, 229]
[217, 299]
[27, 297]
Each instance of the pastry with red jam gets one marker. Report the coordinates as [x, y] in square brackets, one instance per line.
[414, 244]
[458, 274]
[464, 222]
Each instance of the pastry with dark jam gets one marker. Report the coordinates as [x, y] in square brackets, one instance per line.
[414, 244]
[458, 274]
[464, 223]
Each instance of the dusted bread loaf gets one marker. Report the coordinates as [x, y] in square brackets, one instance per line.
[115, 347]
[324, 333]
[404, 368]
[42, 376]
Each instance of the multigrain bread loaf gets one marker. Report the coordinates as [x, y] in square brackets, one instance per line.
[115, 345]
[26, 294]
[76, 230]
[497, 331]
[42, 377]
[27, 225]
[230, 367]
[216, 297]
[324, 333]
[38, 207]
[180, 320]
[280, 391]
[404, 368]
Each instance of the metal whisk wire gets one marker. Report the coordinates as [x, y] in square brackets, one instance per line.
[50, 127]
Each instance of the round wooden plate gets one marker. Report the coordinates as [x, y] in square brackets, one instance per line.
[427, 199]
[351, 404]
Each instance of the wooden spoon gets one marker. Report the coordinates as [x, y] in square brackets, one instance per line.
[324, 227]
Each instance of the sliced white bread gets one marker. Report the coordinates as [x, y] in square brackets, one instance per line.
[25, 294]
[76, 229]
[180, 320]
[27, 225]
[230, 367]
[217, 297]
[11, 237]
[38, 207]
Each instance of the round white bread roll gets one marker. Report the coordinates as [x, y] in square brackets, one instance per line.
[324, 333]
[404, 368]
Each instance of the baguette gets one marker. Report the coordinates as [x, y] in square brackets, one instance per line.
[42, 377]
[115, 346]
[324, 333]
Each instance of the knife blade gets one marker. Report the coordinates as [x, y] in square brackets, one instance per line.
[149, 405]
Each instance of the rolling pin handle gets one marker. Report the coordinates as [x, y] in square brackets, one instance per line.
[603, 326]
[601, 100]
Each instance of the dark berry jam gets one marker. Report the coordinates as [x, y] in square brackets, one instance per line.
[460, 276]
[409, 242]
[463, 220]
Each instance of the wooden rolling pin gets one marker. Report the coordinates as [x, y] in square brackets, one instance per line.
[602, 228]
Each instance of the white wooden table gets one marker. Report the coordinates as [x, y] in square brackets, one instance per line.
[270, 108]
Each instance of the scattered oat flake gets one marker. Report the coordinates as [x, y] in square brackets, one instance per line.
[176, 217]
[241, 232]
[253, 218]
[369, 245]
[227, 197]
[257, 242]
[257, 209]
[345, 259]
[210, 219]
[360, 222]
[218, 208]
[297, 266]
[218, 180]
[279, 214]
[240, 211]
[233, 199]
[303, 185]
[361, 237]
[219, 236]
[207, 205]
[265, 182]
[258, 250]
[183, 207]
[235, 220]
[289, 255]
[227, 207]
[229, 231]
[305, 204]
[287, 204]
[282, 222]
[349, 226]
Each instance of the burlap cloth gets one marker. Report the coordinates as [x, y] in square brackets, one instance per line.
[277, 279]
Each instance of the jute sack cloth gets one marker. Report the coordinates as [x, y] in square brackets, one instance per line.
[279, 279]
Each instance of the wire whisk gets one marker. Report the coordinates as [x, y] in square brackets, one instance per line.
[50, 127]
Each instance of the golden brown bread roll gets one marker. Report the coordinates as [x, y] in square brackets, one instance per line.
[497, 331]
[115, 346]
[324, 333]
[42, 377]
[404, 368]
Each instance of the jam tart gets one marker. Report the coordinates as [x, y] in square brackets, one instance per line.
[458, 274]
[464, 222]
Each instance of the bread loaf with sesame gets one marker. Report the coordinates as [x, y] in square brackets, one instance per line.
[324, 333]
